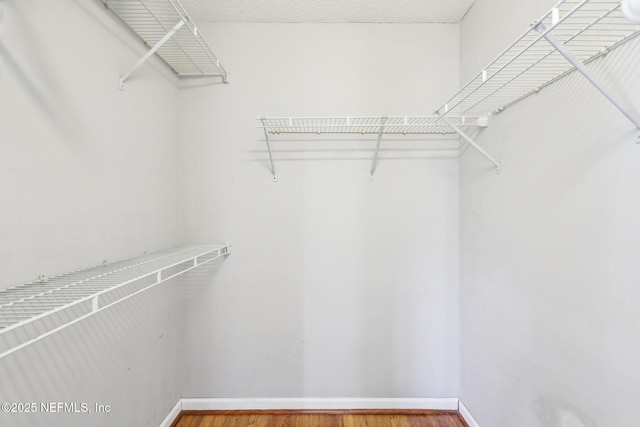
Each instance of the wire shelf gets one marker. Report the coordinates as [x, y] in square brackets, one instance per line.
[84, 292]
[367, 125]
[186, 52]
[588, 28]
[388, 125]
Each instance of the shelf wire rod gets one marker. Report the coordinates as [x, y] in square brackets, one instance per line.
[516, 56]
[573, 37]
[26, 313]
[38, 307]
[186, 54]
[49, 293]
[33, 304]
[156, 16]
[143, 22]
[10, 316]
[69, 303]
[204, 45]
[357, 125]
[151, 51]
[97, 310]
[571, 70]
[151, 20]
[589, 75]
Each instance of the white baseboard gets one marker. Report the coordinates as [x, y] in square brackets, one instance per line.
[219, 404]
[175, 411]
[467, 415]
[319, 403]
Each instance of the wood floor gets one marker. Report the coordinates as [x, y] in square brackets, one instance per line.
[375, 418]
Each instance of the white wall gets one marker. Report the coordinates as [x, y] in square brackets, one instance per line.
[87, 173]
[337, 286]
[549, 271]
[126, 357]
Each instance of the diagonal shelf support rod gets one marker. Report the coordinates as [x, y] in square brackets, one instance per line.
[266, 136]
[589, 75]
[504, 65]
[374, 165]
[472, 142]
[151, 51]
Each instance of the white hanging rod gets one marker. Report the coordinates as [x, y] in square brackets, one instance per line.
[588, 29]
[25, 304]
[166, 26]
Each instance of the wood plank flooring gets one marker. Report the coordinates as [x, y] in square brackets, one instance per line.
[364, 418]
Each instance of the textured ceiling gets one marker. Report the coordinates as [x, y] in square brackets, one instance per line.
[399, 11]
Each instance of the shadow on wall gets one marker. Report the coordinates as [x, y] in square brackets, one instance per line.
[34, 87]
[125, 357]
[556, 413]
[325, 148]
[132, 42]
[193, 283]
[197, 82]
[35, 69]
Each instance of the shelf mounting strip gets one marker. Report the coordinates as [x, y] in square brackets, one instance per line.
[375, 125]
[576, 33]
[33, 311]
[166, 26]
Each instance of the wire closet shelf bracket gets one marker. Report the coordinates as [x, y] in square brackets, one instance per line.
[567, 38]
[33, 311]
[166, 27]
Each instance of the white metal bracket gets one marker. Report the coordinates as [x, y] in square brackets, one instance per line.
[153, 50]
[589, 75]
[472, 142]
[374, 165]
[266, 135]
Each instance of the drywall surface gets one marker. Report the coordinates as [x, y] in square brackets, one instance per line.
[87, 172]
[336, 286]
[549, 270]
[119, 367]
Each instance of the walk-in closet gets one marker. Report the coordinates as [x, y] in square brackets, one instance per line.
[319, 213]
